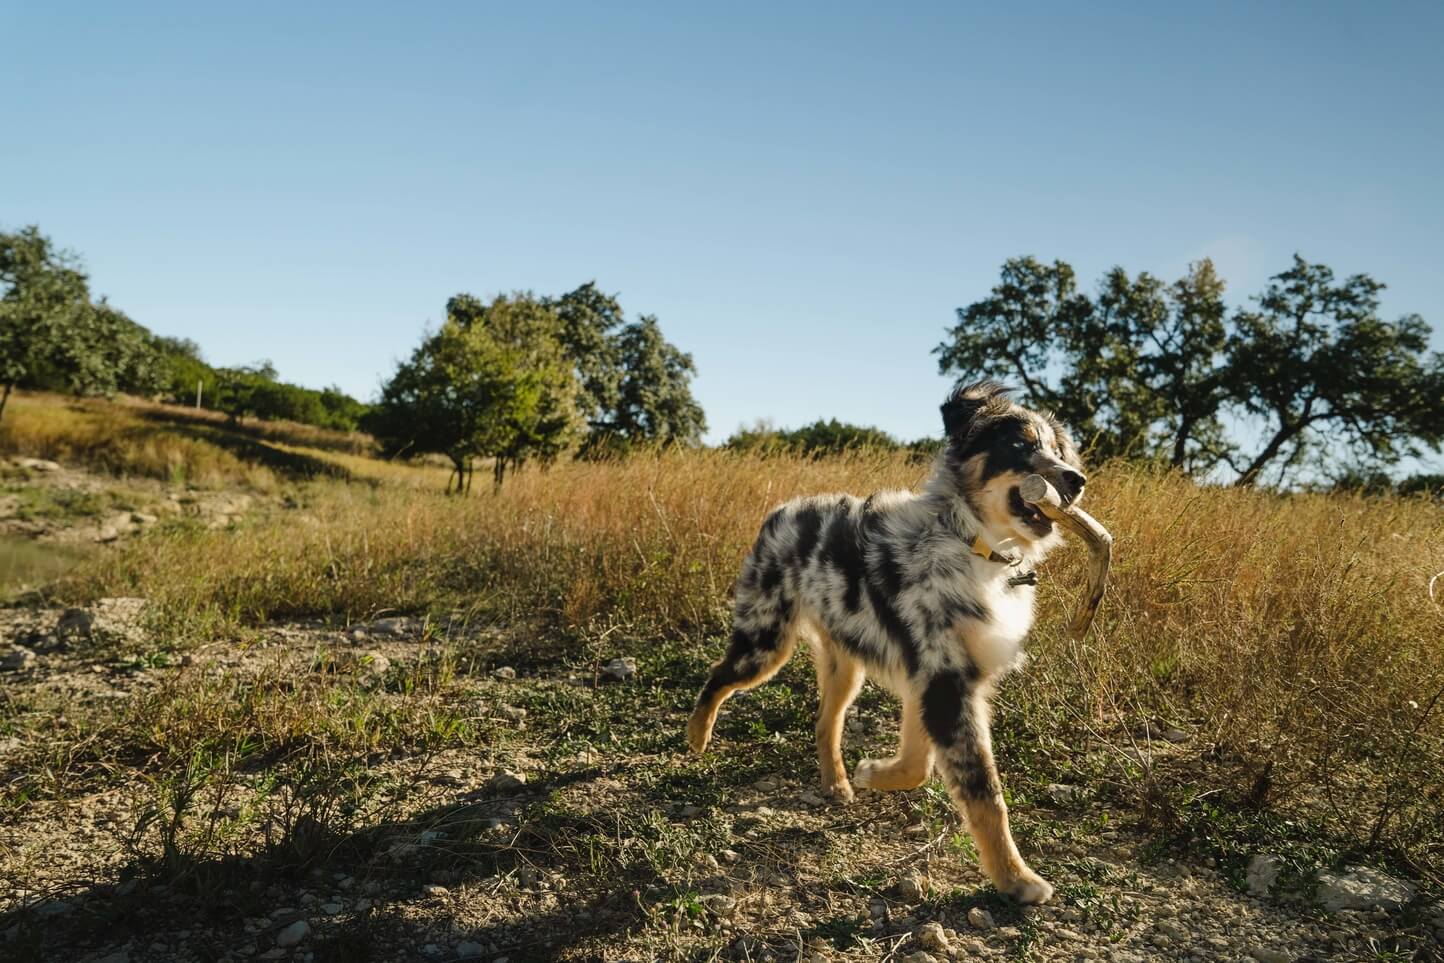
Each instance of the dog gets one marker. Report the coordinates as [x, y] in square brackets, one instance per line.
[929, 594]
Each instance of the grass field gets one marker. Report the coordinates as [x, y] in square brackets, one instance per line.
[1286, 644]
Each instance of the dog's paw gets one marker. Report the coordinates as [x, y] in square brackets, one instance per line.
[699, 733]
[1028, 888]
[865, 775]
[840, 794]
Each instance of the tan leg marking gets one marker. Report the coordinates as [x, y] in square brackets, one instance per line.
[913, 763]
[988, 824]
[839, 677]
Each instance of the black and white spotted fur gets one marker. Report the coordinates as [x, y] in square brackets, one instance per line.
[897, 586]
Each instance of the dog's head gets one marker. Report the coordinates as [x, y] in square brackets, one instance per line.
[992, 445]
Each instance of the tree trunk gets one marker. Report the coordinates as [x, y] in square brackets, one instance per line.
[1180, 442]
[458, 471]
[1281, 437]
[9, 386]
[498, 472]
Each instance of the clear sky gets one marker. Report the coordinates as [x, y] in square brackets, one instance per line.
[801, 193]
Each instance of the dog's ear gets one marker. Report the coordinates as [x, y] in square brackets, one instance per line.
[968, 401]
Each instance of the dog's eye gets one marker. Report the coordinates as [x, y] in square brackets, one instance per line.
[1021, 445]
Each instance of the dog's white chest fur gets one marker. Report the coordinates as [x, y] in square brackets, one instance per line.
[996, 644]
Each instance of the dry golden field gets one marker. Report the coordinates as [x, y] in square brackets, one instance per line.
[1265, 675]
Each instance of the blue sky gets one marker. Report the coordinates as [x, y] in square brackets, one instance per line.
[801, 193]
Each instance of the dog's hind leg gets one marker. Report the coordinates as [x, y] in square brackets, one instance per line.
[839, 677]
[758, 649]
[912, 765]
[955, 714]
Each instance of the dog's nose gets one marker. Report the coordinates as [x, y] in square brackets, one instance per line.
[1074, 481]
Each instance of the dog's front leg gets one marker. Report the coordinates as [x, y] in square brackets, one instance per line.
[955, 714]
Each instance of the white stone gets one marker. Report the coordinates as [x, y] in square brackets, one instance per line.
[980, 919]
[1062, 794]
[1266, 955]
[620, 670]
[930, 936]
[469, 950]
[912, 888]
[1362, 888]
[1263, 872]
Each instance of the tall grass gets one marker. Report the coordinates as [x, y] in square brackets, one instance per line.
[116, 440]
[1292, 635]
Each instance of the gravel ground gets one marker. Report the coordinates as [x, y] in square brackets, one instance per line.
[482, 856]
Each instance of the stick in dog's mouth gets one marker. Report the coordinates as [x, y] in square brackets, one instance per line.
[1037, 491]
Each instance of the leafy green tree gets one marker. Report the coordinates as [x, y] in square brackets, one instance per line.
[633, 385]
[494, 381]
[1148, 369]
[44, 301]
[1315, 357]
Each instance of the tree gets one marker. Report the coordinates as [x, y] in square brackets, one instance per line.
[44, 299]
[1154, 370]
[1316, 357]
[633, 385]
[493, 381]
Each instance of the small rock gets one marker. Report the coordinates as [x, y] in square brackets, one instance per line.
[1062, 794]
[505, 672]
[37, 464]
[930, 936]
[18, 660]
[469, 950]
[1265, 955]
[812, 799]
[393, 628]
[119, 956]
[514, 713]
[730, 856]
[434, 889]
[1171, 929]
[506, 781]
[980, 919]
[920, 957]
[74, 625]
[1362, 888]
[619, 670]
[331, 909]
[1174, 735]
[52, 908]
[911, 888]
[719, 904]
[293, 934]
[431, 949]
[1262, 873]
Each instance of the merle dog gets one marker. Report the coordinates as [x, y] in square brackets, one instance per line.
[929, 594]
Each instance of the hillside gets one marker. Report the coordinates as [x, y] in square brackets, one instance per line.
[268, 696]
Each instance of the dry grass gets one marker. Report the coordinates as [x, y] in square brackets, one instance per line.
[117, 440]
[1293, 636]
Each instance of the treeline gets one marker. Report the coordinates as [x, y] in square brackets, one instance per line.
[54, 337]
[823, 438]
[525, 377]
[1304, 383]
